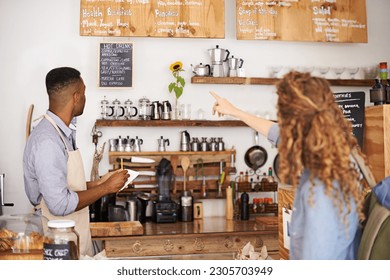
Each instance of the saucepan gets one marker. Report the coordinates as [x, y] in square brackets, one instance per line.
[256, 156]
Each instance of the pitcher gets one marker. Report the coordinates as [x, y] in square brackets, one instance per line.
[161, 144]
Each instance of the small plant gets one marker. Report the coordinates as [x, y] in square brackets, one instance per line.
[178, 85]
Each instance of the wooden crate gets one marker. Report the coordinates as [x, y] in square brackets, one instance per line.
[376, 144]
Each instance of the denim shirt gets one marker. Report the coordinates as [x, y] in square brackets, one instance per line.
[317, 230]
[45, 166]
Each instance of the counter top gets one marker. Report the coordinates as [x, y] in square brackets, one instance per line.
[211, 225]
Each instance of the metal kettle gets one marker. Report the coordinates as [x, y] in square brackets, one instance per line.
[166, 110]
[218, 55]
[201, 70]
[137, 144]
[161, 144]
[235, 63]
[156, 110]
[185, 141]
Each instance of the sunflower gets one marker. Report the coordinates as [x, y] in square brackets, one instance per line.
[178, 85]
[177, 66]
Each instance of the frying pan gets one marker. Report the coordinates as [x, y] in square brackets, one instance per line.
[256, 156]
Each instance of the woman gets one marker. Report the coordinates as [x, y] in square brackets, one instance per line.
[314, 142]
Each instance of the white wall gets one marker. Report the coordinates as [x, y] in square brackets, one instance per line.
[37, 36]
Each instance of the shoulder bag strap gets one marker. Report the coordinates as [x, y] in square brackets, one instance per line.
[367, 173]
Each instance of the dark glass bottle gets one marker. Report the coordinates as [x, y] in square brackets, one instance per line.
[387, 89]
[378, 93]
[244, 206]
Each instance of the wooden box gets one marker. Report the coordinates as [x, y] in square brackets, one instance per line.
[376, 144]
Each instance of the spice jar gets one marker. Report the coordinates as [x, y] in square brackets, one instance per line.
[61, 241]
[383, 71]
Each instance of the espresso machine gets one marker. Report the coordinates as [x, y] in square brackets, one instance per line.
[218, 57]
[164, 208]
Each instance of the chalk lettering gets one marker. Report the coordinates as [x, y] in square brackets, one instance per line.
[159, 13]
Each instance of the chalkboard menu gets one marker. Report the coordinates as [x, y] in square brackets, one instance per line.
[153, 18]
[302, 20]
[116, 65]
[352, 104]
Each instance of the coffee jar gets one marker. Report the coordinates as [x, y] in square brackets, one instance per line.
[61, 241]
[186, 207]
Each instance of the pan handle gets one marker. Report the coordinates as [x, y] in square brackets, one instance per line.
[256, 137]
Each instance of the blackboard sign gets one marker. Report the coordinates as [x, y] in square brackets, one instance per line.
[116, 65]
[352, 104]
[58, 251]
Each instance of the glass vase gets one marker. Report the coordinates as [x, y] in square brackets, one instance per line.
[176, 111]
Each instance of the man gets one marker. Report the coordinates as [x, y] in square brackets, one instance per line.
[53, 169]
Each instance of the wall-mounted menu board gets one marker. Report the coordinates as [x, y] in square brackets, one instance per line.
[353, 104]
[302, 20]
[153, 18]
[116, 65]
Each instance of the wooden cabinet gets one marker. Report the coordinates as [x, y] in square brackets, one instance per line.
[376, 143]
[207, 238]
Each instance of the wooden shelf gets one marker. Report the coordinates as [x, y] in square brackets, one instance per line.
[272, 81]
[209, 166]
[171, 123]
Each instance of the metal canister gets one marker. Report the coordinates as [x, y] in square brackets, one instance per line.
[220, 144]
[213, 144]
[204, 146]
[131, 206]
[195, 144]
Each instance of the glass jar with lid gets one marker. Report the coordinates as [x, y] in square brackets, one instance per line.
[61, 241]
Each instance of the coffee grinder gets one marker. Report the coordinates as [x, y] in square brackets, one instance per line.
[218, 57]
[164, 208]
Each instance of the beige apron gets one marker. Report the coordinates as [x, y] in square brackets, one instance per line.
[76, 182]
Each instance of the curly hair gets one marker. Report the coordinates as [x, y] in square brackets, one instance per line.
[314, 135]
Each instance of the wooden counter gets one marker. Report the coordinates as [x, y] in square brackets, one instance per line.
[208, 238]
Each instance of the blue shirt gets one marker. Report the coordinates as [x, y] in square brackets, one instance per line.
[45, 166]
[318, 231]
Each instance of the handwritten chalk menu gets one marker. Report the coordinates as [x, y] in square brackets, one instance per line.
[352, 104]
[302, 20]
[153, 18]
[116, 65]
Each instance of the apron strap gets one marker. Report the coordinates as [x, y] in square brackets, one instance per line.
[46, 116]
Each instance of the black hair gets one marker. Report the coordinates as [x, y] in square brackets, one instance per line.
[59, 78]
